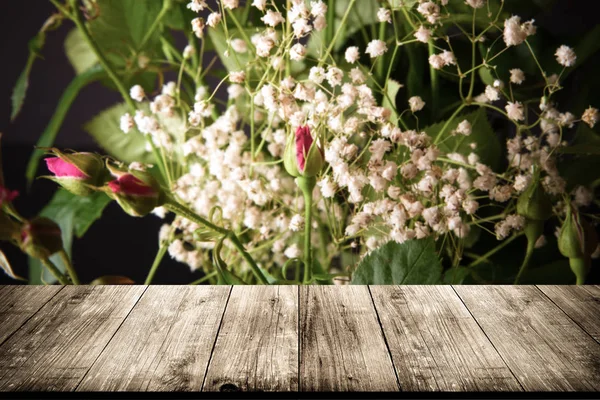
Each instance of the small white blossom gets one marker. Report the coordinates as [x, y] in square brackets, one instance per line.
[492, 93]
[260, 4]
[376, 48]
[436, 61]
[515, 111]
[565, 56]
[416, 103]
[296, 223]
[137, 93]
[318, 8]
[198, 27]
[464, 128]
[515, 33]
[126, 122]
[476, 3]
[272, 18]
[517, 76]
[230, 4]
[590, 116]
[352, 54]
[384, 15]
[297, 52]
[423, 34]
[213, 19]
[237, 76]
[188, 52]
[197, 5]
[239, 46]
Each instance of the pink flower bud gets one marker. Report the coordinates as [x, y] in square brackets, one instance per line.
[63, 169]
[137, 192]
[128, 184]
[7, 195]
[303, 142]
[303, 157]
[41, 237]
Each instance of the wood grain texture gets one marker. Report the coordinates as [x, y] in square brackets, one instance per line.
[342, 347]
[581, 303]
[165, 343]
[435, 343]
[542, 346]
[58, 345]
[257, 345]
[18, 303]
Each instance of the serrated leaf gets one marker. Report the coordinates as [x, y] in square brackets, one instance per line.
[49, 135]
[105, 129]
[488, 144]
[389, 100]
[412, 262]
[80, 54]
[74, 215]
[7, 268]
[20, 89]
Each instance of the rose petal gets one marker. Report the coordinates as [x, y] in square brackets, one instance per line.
[304, 141]
[61, 168]
[130, 185]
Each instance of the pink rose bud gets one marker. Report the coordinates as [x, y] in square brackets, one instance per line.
[303, 157]
[41, 237]
[79, 173]
[137, 192]
[7, 195]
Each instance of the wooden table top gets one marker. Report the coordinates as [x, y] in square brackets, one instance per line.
[290, 338]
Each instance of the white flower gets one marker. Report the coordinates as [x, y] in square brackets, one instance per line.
[296, 223]
[475, 3]
[416, 103]
[334, 76]
[352, 54]
[293, 251]
[357, 76]
[423, 34]
[239, 46]
[126, 122]
[237, 76]
[316, 75]
[430, 11]
[320, 23]
[590, 116]
[515, 111]
[318, 8]
[327, 187]
[515, 33]
[521, 182]
[137, 93]
[583, 196]
[384, 15]
[565, 56]
[436, 61]
[213, 19]
[464, 128]
[197, 5]
[378, 148]
[198, 27]
[260, 4]
[517, 76]
[301, 27]
[492, 93]
[230, 4]
[188, 52]
[376, 48]
[272, 18]
[297, 52]
[448, 57]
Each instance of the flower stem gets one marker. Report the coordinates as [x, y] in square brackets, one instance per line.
[185, 212]
[67, 261]
[159, 256]
[528, 253]
[55, 271]
[494, 250]
[307, 185]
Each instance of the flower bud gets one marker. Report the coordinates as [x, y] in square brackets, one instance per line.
[302, 156]
[137, 192]
[41, 237]
[77, 172]
[577, 238]
[534, 203]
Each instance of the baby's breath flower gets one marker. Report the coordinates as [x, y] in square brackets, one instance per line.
[239, 46]
[197, 5]
[188, 52]
[237, 76]
[475, 3]
[464, 128]
[515, 111]
[492, 93]
[260, 4]
[517, 76]
[590, 116]
[565, 56]
[376, 48]
[357, 76]
[137, 93]
[316, 75]
[272, 18]
[416, 103]
[296, 223]
[430, 11]
[301, 27]
[384, 15]
[448, 57]
[334, 76]
[213, 19]
[126, 122]
[198, 27]
[297, 52]
[352, 54]
[319, 23]
[436, 61]
[423, 34]
[515, 33]
[230, 4]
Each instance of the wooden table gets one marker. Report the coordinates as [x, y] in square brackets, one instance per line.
[289, 338]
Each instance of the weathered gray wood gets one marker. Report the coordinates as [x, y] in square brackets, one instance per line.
[435, 342]
[581, 303]
[257, 345]
[541, 345]
[58, 345]
[342, 347]
[165, 343]
[19, 302]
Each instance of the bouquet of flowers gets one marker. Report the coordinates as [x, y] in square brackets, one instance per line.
[328, 141]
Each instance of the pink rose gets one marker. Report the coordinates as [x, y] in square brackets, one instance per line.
[303, 157]
[63, 169]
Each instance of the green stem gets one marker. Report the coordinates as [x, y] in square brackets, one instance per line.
[163, 11]
[185, 212]
[55, 271]
[528, 253]
[434, 80]
[494, 251]
[204, 278]
[307, 185]
[448, 122]
[69, 265]
[344, 18]
[159, 256]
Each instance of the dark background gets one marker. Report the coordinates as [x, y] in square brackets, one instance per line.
[118, 244]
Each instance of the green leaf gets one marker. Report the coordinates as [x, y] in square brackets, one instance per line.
[412, 262]
[488, 144]
[105, 129]
[121, 26]
[233, 61]
[49, 135]
[20, 89]
[6, 267]
[389, 101]
[74, 215]
[456, 275]
[583, 166]
[79, 53]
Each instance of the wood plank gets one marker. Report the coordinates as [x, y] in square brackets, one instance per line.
[56, 347]
[18, 303]
[541, 345]
[435, 343]
[257, 345]
[165, 343]
[581, 303]
[342, 347]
